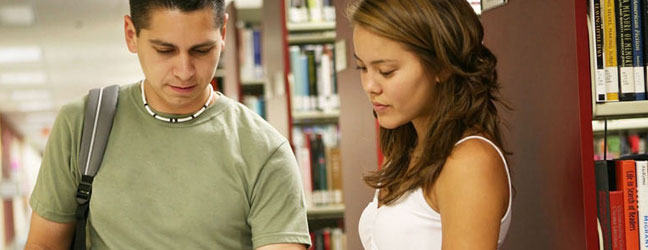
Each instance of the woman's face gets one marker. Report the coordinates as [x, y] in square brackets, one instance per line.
[393, 79]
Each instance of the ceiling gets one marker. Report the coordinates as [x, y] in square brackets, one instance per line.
[66, 47]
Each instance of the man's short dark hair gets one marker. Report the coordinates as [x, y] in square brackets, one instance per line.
[140, 10]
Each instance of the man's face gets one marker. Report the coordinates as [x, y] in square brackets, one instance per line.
[179, 53]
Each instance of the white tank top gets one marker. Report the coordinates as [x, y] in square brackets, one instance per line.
[410, 223]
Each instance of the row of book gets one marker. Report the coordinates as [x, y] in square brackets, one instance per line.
[622, 203]
[313, 78]
[250, 52]
[328, 239]
[619, 46]
[620, 144]
[318, 156]
[314, 11]
[255, 103]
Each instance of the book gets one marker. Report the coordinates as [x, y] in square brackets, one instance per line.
[334, 160]
[637, 50]
[603, 201]
[610, 51]
[625, 50]
[328, 11]
[626, 181]
[303, 156]
[644, 30]
[596, 27]
[617, 225]
[337, 239]
[642, 192]
[315, 10]
[298, 13]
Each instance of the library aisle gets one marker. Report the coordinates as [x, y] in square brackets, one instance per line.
[291, 61]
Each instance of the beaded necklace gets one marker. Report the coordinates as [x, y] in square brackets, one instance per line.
[176, 120]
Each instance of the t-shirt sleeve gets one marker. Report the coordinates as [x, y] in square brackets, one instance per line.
[278, 208]
[53, 197]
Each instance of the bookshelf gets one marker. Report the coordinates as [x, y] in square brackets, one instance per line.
[621, 124]
[245, 79]
[293, 121]
[620, 110]
[326, 212]
[309, 38]
[543, 65]
[311, 26]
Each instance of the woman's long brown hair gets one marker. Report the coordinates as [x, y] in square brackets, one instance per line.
[446, 36]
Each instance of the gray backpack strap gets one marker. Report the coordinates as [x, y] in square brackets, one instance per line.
[99, 113]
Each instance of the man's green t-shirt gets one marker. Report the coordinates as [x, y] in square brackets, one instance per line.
[225, 180]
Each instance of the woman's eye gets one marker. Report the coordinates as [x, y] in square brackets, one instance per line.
[386, 73]
[361, 68]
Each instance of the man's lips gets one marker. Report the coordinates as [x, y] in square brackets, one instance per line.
[182, 89]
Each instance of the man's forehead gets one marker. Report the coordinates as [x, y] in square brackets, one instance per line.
[163, 16]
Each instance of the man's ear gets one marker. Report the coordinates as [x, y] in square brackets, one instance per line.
[224, 31]
[130, 34]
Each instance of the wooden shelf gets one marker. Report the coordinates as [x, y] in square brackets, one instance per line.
[621, 124]
[326, 212]
[320, 26]
[253, 82]
[310, 117]
[617, 110]
[318, 37]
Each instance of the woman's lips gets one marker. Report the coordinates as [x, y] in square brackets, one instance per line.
[378, 107]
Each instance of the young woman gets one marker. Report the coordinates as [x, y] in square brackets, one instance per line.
[445, 183]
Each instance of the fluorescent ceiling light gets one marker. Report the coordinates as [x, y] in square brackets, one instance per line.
[23, 95]
[17, 15]
[32, 106]
[20, 54]
[23, 78]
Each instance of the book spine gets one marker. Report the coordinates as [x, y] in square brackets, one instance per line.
[644, 31]
[637, 51]
[305, 81]
[258, 66]
[616, 220]
[327, 238]
[315, 10]
[335, 166]
[321, 168]
[312, 77]
[295, 67]
[642, 191]
[603, 201]
[610, 52]
[624, 50]
[626, 181]
[599, 74]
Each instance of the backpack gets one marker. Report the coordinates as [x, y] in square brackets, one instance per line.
[100, 110]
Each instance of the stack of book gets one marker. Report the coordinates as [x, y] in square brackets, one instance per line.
[313, 78]
[618, 30]
[313, 11]
[318, 155]
[622, 203]
[328, 239]
[620, 144]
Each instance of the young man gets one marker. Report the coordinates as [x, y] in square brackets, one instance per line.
[175, 175]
